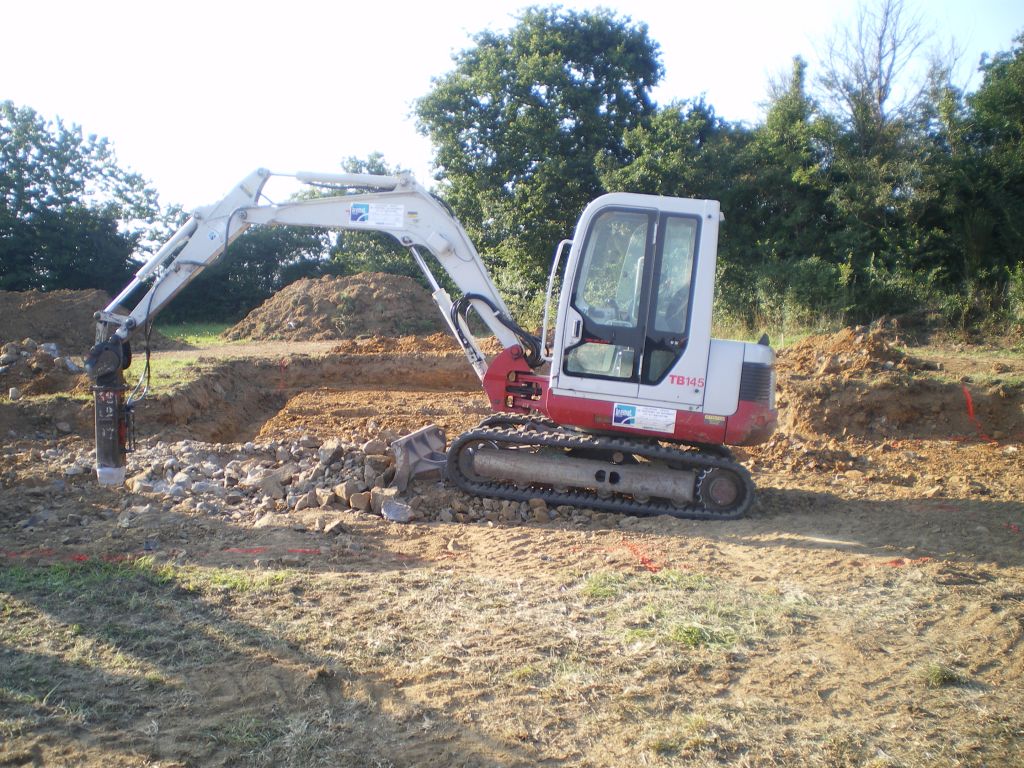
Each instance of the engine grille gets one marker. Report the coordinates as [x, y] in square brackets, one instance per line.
[757, 383]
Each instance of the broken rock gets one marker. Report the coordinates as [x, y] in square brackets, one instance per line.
[360, 501]
[396, 511]
[334, 527]
[380, 495]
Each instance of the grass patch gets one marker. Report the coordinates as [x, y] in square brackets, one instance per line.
[197, 334]
[164, 374]
[245, 734]
[694, 635]
[674, 609]
[64, 578]
[606, 585]
[937, 675]
[603, 585]
[196, 579]
[693, 734]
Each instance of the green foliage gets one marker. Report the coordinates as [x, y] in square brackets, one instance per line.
[198, 333]
[937, 675]
[259, 263]
[799, 293]
[522, 120]
[1015, 296]
[70, 216]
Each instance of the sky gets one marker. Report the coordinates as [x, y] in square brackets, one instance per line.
[195, 95]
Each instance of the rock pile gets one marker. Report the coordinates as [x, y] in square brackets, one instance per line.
[30, 368]
[301, 483]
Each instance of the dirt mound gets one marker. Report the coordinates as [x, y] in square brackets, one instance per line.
[376, 345]
[327, 308]
[851, 351]
[855, 383]
[64, 318]
[440, 343]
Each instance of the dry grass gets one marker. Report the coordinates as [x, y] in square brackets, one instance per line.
[433, 666]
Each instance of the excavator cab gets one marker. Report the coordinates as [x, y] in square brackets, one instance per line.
[631, 295]
[633, 350]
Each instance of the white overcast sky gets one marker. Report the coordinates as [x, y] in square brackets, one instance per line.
[195, 95]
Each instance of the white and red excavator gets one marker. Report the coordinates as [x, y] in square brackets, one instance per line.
[628, 409]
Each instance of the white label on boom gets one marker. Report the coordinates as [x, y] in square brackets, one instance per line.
[377, 214]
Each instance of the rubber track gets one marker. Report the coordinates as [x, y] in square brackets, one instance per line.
[527, 431]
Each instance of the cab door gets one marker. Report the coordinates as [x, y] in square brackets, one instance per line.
[629, 303]
[604, 336]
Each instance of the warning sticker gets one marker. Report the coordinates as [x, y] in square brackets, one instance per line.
[643, 417]
[377, 214]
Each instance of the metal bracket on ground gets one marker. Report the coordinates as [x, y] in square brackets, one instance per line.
[418, 452]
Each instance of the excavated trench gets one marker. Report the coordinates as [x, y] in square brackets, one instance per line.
[361, 388]
[245, 399]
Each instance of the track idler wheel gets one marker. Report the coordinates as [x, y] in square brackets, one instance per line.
[721, 489]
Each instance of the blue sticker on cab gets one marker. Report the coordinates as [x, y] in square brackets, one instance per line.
[624, 415]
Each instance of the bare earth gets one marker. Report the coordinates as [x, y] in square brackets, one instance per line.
[869, 612]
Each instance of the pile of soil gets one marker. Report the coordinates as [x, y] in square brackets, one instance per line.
[367, 304]
[850, 351]
[64, 318]
[856, 383]
[435, 343]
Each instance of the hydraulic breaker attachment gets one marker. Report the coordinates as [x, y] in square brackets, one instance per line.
[115, 422]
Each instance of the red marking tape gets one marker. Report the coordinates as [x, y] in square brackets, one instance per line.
[974, 419]
[899, 562]
[640, 554]
[30, 553]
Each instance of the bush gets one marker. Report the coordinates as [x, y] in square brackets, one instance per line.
[1015, 296]
[777, 295]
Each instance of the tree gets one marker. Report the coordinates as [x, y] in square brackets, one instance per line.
[520, 122]
[785, 164]
[996, 139]
[865, 63]
[878, 155]
[70, 216]
[685, 150]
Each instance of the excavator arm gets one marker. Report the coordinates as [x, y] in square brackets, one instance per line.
[396, 205]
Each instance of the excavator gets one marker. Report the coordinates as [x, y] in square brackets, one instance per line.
[624, 403]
